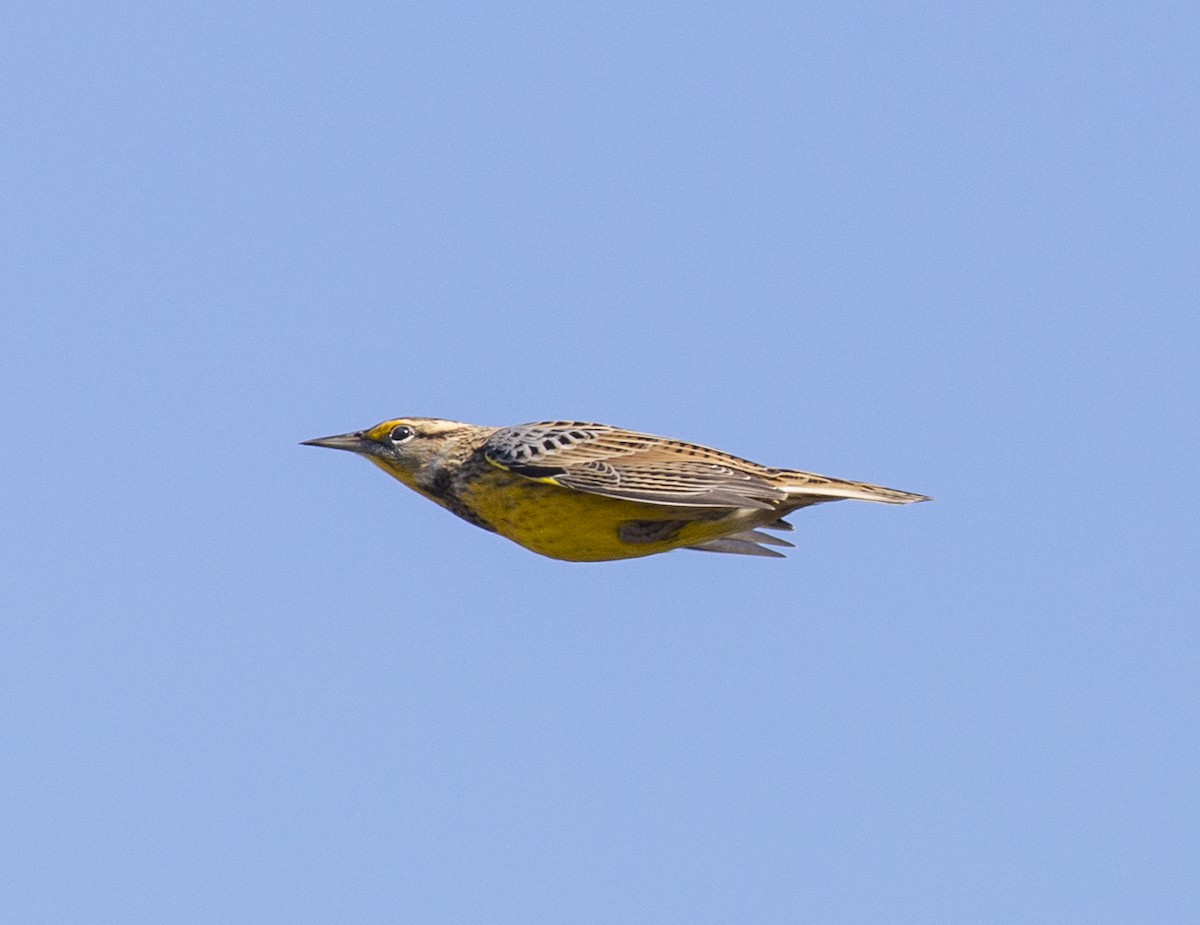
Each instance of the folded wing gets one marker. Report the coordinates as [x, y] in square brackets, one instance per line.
[616, 463]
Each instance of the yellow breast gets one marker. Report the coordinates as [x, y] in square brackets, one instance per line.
[566, 524]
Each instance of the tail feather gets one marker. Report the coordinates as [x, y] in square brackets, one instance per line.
[757, 536]
[746, 543]
[742, 547]
[799, 485]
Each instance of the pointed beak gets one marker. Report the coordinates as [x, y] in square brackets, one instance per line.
[355, 443]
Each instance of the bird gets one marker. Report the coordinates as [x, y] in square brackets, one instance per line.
[584, 492]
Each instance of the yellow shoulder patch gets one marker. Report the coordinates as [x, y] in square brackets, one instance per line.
[533, 473]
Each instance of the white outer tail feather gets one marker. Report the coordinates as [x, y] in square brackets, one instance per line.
[854, 492]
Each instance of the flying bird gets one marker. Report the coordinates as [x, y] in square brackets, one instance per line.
[591, 492]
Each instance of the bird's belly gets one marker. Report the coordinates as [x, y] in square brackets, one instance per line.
[565, 524]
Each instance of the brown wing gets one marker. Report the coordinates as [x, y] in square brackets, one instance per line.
[616, 463]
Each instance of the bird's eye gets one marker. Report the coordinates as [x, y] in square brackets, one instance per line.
[400, 433]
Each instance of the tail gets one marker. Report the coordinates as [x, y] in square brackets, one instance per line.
[810, 488]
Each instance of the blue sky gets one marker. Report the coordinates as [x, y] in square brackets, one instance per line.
[949, 248]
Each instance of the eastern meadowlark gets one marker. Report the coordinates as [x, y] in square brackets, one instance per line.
[591, 492]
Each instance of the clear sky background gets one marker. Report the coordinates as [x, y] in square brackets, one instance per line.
[951, 248]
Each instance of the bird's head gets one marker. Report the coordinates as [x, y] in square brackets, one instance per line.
[406, 448]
